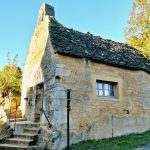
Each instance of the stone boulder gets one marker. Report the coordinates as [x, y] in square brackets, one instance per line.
[5, 132]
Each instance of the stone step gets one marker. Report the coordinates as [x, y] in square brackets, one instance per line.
[15, 115]
[17, 147]
[31, 130]
[36, 120]
[35, 124]
[12, 110]
[20, 125]
[37, 117]
[20, 142]
[23, 141]
[18, 119]
[26, 136]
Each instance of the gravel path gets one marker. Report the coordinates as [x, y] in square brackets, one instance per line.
[144, 148]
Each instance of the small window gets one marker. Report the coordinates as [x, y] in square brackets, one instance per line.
[105, 89]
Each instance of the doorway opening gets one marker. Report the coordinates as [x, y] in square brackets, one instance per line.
[39, 102]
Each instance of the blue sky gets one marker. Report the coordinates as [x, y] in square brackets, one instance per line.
[106, 18]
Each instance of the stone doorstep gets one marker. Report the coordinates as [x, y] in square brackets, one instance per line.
[17, 119]
[35, 124]
[24, 122]
[26, 136]
[20, 142]
[17, 112]
[18, 115]
[17, 147]
[31, 130]
[13, 112]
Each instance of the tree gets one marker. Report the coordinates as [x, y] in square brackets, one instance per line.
[10, 79]
[138, 31]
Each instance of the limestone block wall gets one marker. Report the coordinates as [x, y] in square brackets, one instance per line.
[90, 117]
[33, 61]
[98, 118]
[130, 124]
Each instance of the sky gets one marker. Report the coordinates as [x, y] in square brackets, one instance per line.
[18, 18]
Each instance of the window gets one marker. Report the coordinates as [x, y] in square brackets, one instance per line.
[105, 89]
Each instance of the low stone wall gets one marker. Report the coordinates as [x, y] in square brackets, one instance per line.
[106, 127]
[130, 124]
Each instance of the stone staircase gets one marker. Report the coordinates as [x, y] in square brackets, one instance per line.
[37, 117]
[26, 139]
[15, 116]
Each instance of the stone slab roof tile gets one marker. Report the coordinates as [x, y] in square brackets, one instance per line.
[76, 44]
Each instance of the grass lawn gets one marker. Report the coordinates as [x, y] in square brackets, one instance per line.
[127, 142]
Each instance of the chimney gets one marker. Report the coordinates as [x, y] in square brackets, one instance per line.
[45, 10]
[49, 10]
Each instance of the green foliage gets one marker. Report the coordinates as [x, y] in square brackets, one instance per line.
[138, 31]
[1, 123]
[127, 142]
[10, 79]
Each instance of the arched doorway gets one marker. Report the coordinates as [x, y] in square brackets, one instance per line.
[35, 95]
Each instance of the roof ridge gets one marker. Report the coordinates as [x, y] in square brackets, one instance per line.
[70, 42]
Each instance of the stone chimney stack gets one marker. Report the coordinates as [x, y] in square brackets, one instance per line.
[45, 10]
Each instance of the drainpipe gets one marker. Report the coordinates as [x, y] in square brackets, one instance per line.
[68, 127]
[112, 119]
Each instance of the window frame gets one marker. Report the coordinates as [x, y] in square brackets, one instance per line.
[117, 88]
[110, 89]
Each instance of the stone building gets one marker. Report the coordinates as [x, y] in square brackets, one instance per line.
[109, 83]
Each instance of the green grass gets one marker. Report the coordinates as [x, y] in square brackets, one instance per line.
[127, 142]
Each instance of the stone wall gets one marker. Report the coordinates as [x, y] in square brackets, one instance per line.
[90, 117]
[41, 57]
[96, 119]
[45, 138]
[34, 62]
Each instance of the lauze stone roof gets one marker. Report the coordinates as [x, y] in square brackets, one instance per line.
[84, 45]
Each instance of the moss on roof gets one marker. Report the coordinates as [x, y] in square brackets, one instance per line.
[84, 45]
